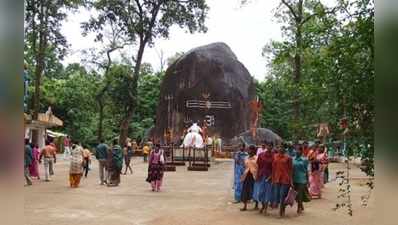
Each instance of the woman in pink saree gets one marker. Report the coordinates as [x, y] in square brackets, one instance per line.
[34, 166]
[322, 157]
[315, 180]
[319, 161]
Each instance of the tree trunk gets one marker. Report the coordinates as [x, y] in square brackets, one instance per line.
[124, 126]
[143, 40]
[101, 118]
[39, 68]
[297, 66]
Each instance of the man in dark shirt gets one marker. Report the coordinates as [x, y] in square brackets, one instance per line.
[115, 164]
[28, 160]
[101, 154]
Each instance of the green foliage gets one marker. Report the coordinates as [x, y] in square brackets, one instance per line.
[337, 76]
[72, 100]
[140, 23]
[43, 20]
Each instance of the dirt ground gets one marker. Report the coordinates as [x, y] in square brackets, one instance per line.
[187, 198]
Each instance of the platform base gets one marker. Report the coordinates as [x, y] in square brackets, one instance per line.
[180, 163]
[201, 164]
[198, 168]
[169, 168]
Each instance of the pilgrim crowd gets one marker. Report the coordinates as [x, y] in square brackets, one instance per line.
[110, 161]
[277, 176]
[273, 176]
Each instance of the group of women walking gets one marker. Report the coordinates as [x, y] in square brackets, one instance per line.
[270, 176]
[112, 158]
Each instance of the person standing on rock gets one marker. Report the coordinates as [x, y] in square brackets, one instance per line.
[101, 153]
[116, 164]
[156, 168]
[239, 168]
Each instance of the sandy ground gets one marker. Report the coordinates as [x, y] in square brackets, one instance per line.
[187, 197]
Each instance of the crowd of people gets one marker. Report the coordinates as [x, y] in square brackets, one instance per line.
[110, 161]
[269, 175]
[277, 176]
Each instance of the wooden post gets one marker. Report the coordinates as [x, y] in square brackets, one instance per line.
[206, 156]
[189, 156]
[183, 153]
[194, 155]
[172, 153]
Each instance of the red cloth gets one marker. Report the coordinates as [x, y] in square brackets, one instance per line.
[282, 168]
[264, 162]
[306, 150]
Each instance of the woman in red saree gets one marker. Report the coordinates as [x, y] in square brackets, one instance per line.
[322, 157]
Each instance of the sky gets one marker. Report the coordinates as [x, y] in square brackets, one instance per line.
[245, 29]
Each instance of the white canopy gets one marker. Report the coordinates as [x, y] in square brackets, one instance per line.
[54, 134]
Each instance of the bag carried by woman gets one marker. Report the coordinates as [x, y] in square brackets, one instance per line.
[291, 197]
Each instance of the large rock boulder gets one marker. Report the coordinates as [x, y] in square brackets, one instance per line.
[262, 135]
[209, 84]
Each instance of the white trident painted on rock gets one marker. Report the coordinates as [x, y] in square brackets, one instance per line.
[206, 104]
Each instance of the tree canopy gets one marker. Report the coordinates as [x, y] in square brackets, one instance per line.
[321, 71]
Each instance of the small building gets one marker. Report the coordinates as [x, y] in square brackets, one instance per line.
[44, 121]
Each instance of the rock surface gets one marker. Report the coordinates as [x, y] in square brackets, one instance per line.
[263, 134]
[204, 77]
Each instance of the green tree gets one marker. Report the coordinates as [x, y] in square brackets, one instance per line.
[43, 20]
[336, 80]
[72, 99]
[142, 22]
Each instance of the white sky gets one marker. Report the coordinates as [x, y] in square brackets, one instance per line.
[244, 29]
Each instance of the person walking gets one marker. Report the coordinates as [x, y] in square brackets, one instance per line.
[34, 166]
[28, 158]
[282, 169]
[239, 168]
[101, 154]
[156, 168]
[116, 164]
[315, 176]
[262, 149]
[300, 178]
[249, 176]
[128, 154]
[67, 151]
[263, 185]
[76, 166]
[86, 161]
[50, 158]
[323, 159]
[145, 151]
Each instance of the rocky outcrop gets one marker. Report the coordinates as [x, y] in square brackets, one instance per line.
[207, 83]
[262, 135]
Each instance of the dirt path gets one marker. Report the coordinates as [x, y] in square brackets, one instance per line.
[196, 198]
